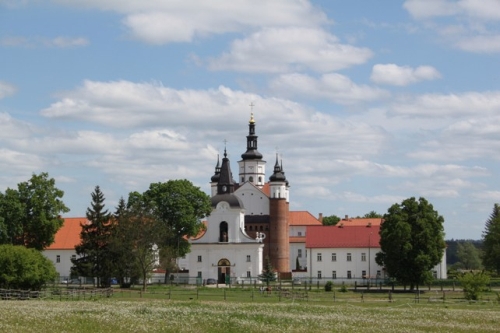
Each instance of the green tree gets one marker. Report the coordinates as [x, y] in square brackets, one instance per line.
[372, 215]
[411, 241]
[330, 220]
[491, 241]
[31, 214]
[23, 268]
[177, 207]
[95, 256]
[468, 256]
[134, 242]
[474, 284]
[268, 274]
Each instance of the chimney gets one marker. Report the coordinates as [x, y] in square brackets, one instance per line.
[320, 217]
[346, 217]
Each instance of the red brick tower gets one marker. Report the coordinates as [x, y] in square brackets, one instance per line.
[279, 251]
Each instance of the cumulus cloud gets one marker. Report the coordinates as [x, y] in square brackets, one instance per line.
[334, 87]
[160, 22]
[276, 50]
[392, 74]
[463, 140]
[449, 105]
[469, 25]
[6, 89]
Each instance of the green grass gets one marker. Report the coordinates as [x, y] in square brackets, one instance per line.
[155, 315]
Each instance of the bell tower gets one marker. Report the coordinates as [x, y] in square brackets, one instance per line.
[252, 168]
[279, 208]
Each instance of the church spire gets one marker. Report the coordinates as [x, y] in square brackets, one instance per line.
[216, 176]
[252, 153]
[226, 183]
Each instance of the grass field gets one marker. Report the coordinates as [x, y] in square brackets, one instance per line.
[149, 314]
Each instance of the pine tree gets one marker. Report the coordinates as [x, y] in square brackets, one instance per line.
[96, 258]
[491, 241]
[268, 273]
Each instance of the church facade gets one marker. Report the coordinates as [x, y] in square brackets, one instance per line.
[249, 222]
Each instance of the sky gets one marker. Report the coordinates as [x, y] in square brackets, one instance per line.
[365, 102]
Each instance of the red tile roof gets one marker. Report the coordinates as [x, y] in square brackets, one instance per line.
[342, 237]
[68, 236]
[361, 222]
[303, 218]
[297, 239]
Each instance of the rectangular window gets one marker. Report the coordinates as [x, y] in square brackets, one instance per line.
[58, 259]
[299, 253]
[73, 257]
[248, 258]
[363, 274]
[318, 257]
[249, 274]
[349, 257]
[334, 274]
[199, 259]
[334, 256]
[378, 274]
[299, 233]
[319, 274]
[363, 256]
[349, 274]
[199, 274]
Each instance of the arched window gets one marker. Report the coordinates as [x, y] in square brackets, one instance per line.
[251, 228]
[260, 179]
[261, 228]
[250, 179]
[223, 232]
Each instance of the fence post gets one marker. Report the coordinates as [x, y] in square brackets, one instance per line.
[334, 296]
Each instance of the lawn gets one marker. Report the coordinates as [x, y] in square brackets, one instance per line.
[162, 315]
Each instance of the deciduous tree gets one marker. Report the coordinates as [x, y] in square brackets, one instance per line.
[411, 241]
[468, 256]
[330, 220]
[31, 214]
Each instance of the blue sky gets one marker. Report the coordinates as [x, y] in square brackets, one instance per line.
[367, 102]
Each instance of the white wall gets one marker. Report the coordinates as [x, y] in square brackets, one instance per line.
[63, 267]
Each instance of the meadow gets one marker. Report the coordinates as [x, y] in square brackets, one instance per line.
[120, 313]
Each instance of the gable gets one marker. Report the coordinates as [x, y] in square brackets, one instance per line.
[68, 236]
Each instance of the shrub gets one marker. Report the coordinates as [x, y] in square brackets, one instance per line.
[343, 288]
[474, 284]
[328, 286]
[22, 268]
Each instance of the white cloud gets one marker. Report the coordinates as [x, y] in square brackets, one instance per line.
[160, 22]
[450, 105]
[480, 44]
[65, 42]
[334, 87]
[36, 42]
[463, 140]
[277, 50]
[6, 89]
[430, 8]
[392, 74]
[469, 25]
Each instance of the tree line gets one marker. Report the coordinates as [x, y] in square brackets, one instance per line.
[146, 231]
[152, 228]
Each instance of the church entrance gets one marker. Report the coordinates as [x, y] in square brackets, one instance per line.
[224, 271]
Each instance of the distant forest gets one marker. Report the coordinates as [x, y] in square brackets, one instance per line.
[451, 249]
